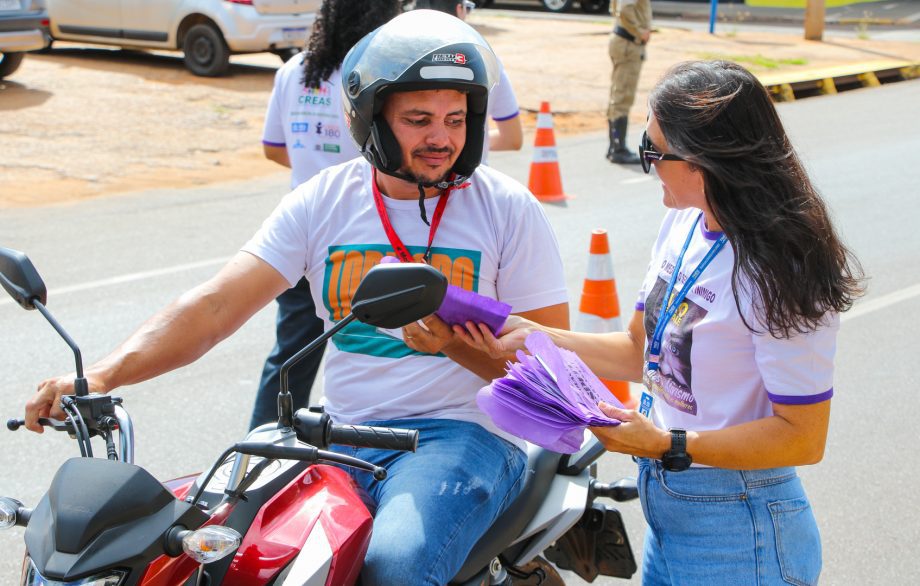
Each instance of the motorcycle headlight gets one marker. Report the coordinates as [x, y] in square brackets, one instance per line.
[31, 577]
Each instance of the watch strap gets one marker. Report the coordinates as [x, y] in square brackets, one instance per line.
[678, 441]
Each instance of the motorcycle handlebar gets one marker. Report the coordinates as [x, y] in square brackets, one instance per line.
[384, 438]
[14, 424]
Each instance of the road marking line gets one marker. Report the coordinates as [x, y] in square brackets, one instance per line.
[859, 310]
[130, 277]
[881, 303]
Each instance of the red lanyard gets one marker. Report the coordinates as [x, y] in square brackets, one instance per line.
[401, 251]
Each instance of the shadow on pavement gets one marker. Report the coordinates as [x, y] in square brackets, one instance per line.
[159, 67]
[15, 96]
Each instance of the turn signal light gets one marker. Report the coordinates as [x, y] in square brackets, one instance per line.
[211, 543]
[9, 512]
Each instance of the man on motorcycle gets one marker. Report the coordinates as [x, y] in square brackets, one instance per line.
[416, 94]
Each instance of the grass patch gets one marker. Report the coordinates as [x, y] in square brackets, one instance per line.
[755, 61]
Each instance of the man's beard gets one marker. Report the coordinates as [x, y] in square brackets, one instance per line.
[428, 179]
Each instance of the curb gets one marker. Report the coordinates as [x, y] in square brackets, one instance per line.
[789, 86]
[729, 15]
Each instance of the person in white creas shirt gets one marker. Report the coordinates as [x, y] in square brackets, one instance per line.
[305, 131]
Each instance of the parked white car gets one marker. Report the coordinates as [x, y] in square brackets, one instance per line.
[20, 31]
[207, 31]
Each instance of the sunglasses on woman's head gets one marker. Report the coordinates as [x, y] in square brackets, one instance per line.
[648, 154]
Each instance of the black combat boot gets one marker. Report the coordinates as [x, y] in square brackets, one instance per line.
[617, 151]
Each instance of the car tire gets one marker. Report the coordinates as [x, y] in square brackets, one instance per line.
[558, 5]
[287, 54]
[595, 6]
[206, 52]
[9, 62]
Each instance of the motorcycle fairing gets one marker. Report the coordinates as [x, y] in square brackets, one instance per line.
[100, 514]
[322, 498]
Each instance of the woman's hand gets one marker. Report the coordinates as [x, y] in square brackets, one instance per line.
[636, 435]
[511, 338]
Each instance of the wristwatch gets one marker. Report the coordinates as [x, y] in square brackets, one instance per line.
[677, 459]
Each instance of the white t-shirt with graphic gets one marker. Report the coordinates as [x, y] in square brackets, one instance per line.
[493, 239]
[713, 371]
[309, 122]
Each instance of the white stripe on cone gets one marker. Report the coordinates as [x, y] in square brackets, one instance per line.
[600, 267]
[545, 155]
[592, 324]
[544, 120]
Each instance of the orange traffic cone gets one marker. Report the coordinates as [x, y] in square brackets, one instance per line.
[599, 310]
[545, 181]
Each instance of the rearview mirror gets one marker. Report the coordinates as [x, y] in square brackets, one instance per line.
[392, 295]
[20, 279]
[389, 296]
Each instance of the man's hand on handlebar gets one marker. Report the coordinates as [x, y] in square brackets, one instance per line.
[47, 400]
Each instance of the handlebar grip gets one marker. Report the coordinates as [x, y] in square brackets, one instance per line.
[384, 438]
[14, 424]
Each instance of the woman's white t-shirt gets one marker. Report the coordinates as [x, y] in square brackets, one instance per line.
[714, 372]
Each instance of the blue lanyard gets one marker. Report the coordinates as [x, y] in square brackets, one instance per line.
[668, 308]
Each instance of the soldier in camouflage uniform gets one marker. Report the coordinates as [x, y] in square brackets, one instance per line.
[627, 51]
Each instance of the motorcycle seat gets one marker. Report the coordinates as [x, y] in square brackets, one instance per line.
[542, 466]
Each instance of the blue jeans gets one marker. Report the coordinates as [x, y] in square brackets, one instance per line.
[295, 327]
[435, 503]
[710, 526]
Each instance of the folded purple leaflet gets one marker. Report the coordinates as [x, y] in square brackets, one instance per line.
[460, 306]
[548, 397]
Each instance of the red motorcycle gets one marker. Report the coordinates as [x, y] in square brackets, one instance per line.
[273, 501]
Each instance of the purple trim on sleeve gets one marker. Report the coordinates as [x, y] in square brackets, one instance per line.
[801, 400]
[640, 306]
[503, 118]
[274, 144]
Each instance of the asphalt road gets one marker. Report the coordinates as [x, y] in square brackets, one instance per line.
[111, 262]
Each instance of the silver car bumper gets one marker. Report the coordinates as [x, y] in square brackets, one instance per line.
[18, 41]
[247, 31]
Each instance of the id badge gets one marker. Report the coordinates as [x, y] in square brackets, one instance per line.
[651, 379]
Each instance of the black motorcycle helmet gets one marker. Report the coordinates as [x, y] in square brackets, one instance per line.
[417, 50]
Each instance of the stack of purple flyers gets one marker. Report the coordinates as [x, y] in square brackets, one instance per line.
[547, 398]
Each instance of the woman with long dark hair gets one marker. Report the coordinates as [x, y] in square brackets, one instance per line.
[734, 336]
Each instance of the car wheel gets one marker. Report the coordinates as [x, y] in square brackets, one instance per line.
[9, 62]
[558, 5]
[287, 54]
[206, 52]
[595, 6]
